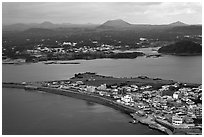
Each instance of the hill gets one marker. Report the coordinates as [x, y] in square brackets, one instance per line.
[178, 23]
[115, 24]
[182, 48]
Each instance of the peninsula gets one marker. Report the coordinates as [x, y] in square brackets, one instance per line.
[182, 48]
[165, 105]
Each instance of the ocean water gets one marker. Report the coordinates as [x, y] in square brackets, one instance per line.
[183, 69]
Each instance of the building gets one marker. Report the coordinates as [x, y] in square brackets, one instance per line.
[127, 98]
[90, 88]
[134, 86]
[198, 111]
[79, 82]
[176, 95]
[143, 39]
[67, 43]
[177, 120]
[102, 87]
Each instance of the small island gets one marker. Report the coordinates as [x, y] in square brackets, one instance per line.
[182, 48]
[165, 105]
[60, 62]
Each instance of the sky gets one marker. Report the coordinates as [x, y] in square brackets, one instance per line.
[100, 12]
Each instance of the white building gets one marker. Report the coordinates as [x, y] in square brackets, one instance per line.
[176, 120]
[102, 87]
[143, 39]
[176, 95]
[79, 82]
[90, 88]
[127, 98]
[67, 43]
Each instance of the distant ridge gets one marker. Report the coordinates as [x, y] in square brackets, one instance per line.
[178, 23]
[110, 24]
[38, 30]
[44, 25]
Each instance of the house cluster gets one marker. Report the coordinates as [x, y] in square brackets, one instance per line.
[196, 38]
[65, 50]
[193, 36]
[62, 50]
[88, 49]
[181, 108]
[67, 47]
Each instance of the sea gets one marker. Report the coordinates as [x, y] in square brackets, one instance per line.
[39, 113]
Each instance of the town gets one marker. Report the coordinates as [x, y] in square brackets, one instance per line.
[175, 105]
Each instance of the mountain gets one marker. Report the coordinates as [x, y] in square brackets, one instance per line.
[184, 47]
[47, 25]
[118, 23]
[23, 27]
[15, 27]
[178, 23]
[177, 28]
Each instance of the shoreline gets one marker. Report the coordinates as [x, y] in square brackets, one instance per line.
[93, 98]
[71, 93]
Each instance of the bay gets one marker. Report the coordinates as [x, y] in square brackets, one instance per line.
[178, 68]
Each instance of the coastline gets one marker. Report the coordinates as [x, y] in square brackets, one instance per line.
[72, 93]
[96, 99]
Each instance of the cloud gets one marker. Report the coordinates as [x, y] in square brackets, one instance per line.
[99, 12]
[170, 12]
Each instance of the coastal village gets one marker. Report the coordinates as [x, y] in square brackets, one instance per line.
[172, 107]
[102, 68]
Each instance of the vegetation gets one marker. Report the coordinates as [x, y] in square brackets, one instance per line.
[182, 48]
